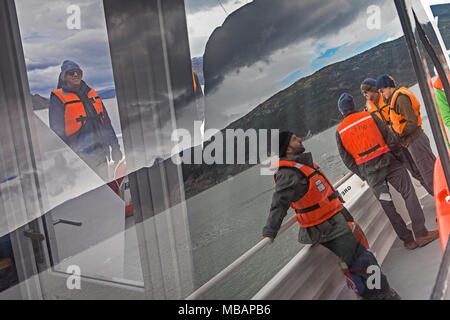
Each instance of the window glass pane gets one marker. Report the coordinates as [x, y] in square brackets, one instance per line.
[80, 141]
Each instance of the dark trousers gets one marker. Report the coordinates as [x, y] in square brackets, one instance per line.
[424, 158]
[357, 259]
[398, 177]
[409, 164]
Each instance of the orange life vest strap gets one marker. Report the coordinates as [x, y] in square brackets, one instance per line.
[335, 195]
[380, 151]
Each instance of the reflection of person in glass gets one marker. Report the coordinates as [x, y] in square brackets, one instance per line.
[323, 219]
[79, 117]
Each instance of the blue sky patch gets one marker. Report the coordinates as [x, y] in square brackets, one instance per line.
[330, 52]
[371, 43]
[290, 79]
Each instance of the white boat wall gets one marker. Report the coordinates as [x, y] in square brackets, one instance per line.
[314, 273]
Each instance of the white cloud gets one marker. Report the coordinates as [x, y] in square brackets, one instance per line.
[47, 42]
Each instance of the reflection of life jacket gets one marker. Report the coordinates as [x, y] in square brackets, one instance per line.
[193, 80]
[361, 137]
[438, 84]
[75, 116]
[398, 121]
[320, 203]
[381, 111]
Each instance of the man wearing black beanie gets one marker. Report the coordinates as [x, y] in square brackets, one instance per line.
[323, 219]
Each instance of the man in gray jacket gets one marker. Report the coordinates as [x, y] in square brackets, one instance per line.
[381, 169]
[292, 187]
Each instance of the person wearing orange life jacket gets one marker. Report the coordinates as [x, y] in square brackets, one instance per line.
[77, 115]
[374, 101]
[323, 219]
[406, 122]
[368, 148]
[376, 105]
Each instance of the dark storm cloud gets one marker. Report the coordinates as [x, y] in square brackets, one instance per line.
[258, 29]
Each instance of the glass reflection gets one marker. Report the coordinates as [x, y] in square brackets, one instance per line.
[82, 168]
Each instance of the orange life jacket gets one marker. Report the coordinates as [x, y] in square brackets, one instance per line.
[320, 203]
[381, 111]
[75, 116]
[193, 80]
[398, 121]
[361, 137]
[438, 84]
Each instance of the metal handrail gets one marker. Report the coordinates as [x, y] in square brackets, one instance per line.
[250, 253]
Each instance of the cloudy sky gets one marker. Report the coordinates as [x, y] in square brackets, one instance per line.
[47, 42]
[268, 45]
[278, 42]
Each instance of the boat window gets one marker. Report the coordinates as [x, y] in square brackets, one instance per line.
[80, 155]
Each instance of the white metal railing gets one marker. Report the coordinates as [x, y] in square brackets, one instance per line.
[250, 253]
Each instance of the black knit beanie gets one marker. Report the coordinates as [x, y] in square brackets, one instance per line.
[284, 139]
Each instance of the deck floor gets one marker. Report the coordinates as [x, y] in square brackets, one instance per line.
[412, 273]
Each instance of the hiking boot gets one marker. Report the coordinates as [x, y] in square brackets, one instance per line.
[392, 295]
[410, 245]
[431, 236]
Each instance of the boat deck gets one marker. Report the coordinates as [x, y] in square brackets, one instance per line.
[413, 272]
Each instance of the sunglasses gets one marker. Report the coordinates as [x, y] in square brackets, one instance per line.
[72, 72]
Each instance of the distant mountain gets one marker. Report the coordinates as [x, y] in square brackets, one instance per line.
[301, 107]
[107, 93]
[443, 12]
[39, 102]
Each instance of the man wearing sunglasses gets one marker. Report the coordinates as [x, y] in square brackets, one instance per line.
[79, 117]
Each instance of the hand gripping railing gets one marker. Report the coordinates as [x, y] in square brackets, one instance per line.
[248, 254]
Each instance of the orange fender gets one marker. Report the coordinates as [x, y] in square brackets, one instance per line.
[442, 202]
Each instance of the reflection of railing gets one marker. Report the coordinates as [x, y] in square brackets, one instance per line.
[250, 253]
[441, 286]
